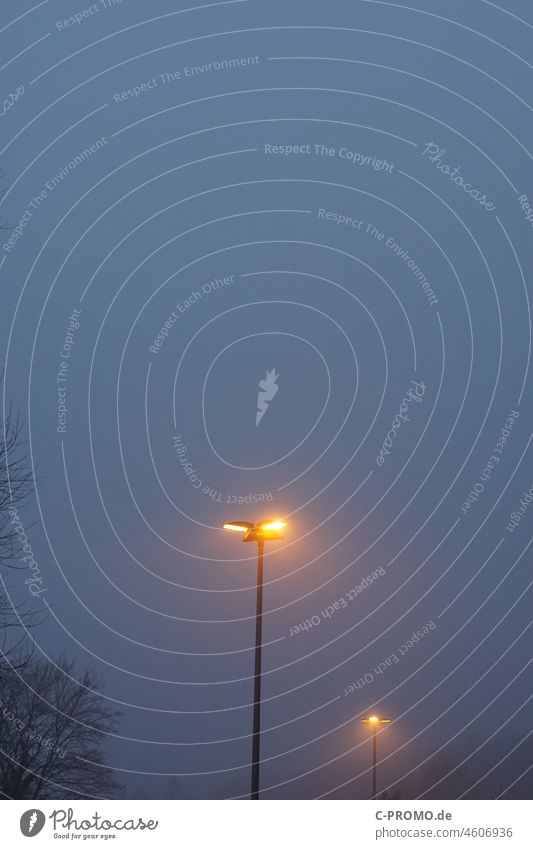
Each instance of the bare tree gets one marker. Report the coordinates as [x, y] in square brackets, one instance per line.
[16, 483]
[52, 728]
[14, 653]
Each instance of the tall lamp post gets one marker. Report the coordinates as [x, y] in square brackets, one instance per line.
[260, 533]
[375, 722]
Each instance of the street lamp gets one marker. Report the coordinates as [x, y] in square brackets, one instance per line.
[268, 529]
[375, 722]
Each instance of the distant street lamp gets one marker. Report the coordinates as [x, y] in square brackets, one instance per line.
[260, 533]
[375, 722]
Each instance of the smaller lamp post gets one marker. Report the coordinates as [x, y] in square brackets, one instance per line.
[375, 722]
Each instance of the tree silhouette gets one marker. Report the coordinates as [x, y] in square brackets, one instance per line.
[17, 484]
[52, 728]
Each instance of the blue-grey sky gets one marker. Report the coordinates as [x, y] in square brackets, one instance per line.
[340, 192]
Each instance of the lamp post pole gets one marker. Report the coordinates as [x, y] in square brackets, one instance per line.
[375, 722]
[256, 739]
[375, 761]
[268, 529]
